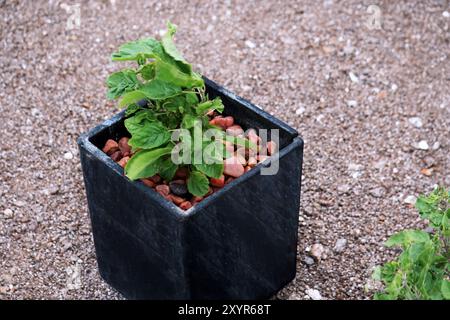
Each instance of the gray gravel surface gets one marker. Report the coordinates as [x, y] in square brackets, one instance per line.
[351, 91]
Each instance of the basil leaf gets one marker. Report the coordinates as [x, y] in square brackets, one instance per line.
[214, 170]
[168, 169]
[121, 82]
[136, 50]
[189, 121]
[149, 136]
[145, 163]
[215, 104]
[197, 183]
[171, 49]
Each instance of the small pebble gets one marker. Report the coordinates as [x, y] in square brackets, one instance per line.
[416, 122]
[250, 44]
[308, 260]
[8, 213]
[317, 251]
[300, 111]
[233, 167]
[110, 147]
[122, 162]
[410, 200]
[353, 77]
[68, 155]
[163, 190]
[178, 189]
[185, 205]
[149, 183]
[352, 103]
[116, 156]
[340, 245]
[220, 182]
[124, 146]
[314, 294]
[421, 145]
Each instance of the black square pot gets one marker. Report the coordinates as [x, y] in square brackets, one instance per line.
[239, 243]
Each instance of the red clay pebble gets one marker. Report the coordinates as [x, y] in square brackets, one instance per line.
[122, 162]
[229, 146]
[124, 146]
[217, 121]
[110, 147]
[253, 136]
[116, 156]
[241, 158]
[218, 182]
[181, 172]
[233, 167]
[148, 183]
[185, 205]
[156, 178]
[228, 121]
[235, 130]
[196, 199]
[163, 190]
[229, 179]
[175, 199]
[252, 162]
[271, 147]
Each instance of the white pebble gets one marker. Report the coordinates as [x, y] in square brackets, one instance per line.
[250, 44]
[352, 103]
[446, 14]
[410, 199]
[416, 122]
[314, 294]
[36, 112]
[8, 213]
[340, 245]
[394, 87]
[300, 111]
[68, 155]
[353, 77]
[422, 145]
[436, 145]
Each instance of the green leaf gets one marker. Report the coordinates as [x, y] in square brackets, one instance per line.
[197, 183]
[214, 170]
[136, 50]
[145, 163]
[207, 106]
[168, 169]
[191, 98]
[121, 82]
[171, 49]
[149, 136]
[407, 237]
[445, 289]
[167, 70]
[131, 97]
[148, 71]
[189, 121]
[158, 90]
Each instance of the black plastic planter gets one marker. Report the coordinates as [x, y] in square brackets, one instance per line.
[239, 243]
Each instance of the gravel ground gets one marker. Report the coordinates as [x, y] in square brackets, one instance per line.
[372, 104]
